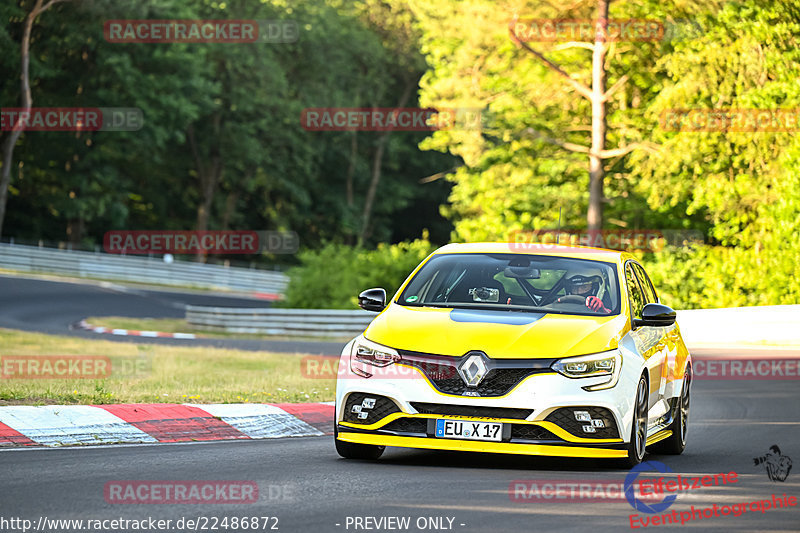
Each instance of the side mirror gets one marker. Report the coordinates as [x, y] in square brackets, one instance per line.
[372, 300]
[655, 315]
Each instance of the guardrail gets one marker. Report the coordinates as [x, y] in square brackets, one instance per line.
[273, 321]
[767, 325]
[141, 269]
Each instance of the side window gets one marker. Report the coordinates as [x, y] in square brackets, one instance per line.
[647, 285]
[634, 293]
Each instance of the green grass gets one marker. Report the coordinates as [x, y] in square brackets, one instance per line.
[167, 374]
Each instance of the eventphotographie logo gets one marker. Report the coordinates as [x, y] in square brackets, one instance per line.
[635, 500]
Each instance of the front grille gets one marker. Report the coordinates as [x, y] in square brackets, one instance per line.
[383, 407]
[469, 410]
[565, 419]
[496, 383]
[530, 432]
[407, 425]
[502, 374]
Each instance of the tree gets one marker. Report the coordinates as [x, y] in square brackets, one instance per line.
[230, 107]
[598, 96]
[13, 136]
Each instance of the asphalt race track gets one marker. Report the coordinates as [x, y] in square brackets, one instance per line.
[314, 490]
[54, 306]
[304, 483]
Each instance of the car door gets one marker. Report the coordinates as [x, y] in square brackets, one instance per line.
[670, 339]
[647, 341]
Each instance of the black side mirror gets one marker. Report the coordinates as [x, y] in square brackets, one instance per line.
[372, 300]
[655, 315]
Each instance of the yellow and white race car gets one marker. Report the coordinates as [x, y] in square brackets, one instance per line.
[565, 351]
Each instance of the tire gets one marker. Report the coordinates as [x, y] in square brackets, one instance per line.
[637, 446]
[349, 450]
[676, 443]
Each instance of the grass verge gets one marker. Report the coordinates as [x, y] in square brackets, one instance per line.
[143, 373]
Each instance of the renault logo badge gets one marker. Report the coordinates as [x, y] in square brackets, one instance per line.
[473, 369]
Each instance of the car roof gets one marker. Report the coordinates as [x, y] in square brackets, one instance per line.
[561, 250]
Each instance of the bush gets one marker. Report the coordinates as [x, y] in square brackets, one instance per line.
[715, 276]
[686, 278]
[332, 277]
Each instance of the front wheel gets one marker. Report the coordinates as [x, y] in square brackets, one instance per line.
[676, 443]
[638, 441]
[350, 450]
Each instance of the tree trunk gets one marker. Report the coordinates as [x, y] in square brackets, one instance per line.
[594, 215]
[27, 101]
[377, 160]
[209, 176]
[230, 207]
[75, 227]
[351, 168]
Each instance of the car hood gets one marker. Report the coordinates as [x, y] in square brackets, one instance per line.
[500, 334]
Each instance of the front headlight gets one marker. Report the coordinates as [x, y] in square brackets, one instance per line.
[366, 353]
[593, 365]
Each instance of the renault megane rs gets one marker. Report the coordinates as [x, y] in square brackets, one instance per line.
[563, 352]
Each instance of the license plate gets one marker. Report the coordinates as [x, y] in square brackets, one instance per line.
[459, 429]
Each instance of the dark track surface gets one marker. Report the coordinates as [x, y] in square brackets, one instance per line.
[731, 423]
[54, 306]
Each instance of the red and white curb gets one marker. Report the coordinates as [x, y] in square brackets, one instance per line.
[134, 332]
[66, 425]
[269, 296]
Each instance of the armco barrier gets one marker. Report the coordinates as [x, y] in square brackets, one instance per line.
[764, 325]
[767, 325]
[274, 321]
[141, 269]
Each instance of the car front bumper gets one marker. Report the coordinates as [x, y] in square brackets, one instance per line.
[541, 406]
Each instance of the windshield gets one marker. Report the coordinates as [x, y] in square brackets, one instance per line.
[515, 282]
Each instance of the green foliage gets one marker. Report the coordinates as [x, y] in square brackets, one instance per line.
[241, 106]
[741, 190]
[235, 107]
[517, 174]
[333, 276]
[717, 276]
[746, 58]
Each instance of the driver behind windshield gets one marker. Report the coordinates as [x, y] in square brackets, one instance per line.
[588, 283]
